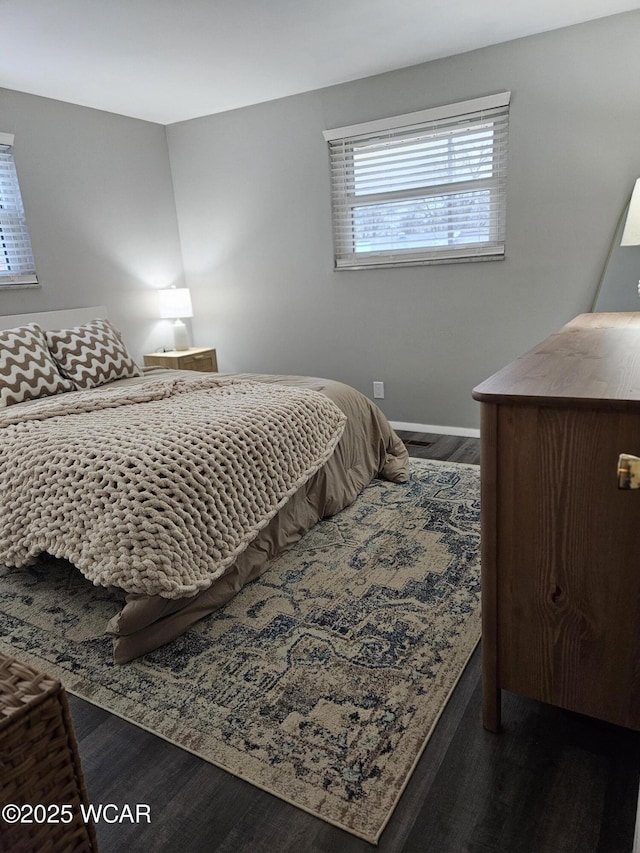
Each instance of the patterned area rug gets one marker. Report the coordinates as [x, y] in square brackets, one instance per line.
[320, 682]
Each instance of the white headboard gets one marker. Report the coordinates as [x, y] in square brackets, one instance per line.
[50, 320]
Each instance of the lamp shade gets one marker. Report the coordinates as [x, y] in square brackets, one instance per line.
[175, 302]
[631, 234]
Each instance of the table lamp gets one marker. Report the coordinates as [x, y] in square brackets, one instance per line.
[631, 233]
[175, 304]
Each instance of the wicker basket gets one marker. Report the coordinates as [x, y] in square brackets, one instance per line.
[39, 763]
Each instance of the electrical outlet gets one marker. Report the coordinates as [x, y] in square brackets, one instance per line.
[378, 390]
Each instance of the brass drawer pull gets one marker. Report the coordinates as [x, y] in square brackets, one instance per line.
[628, 471]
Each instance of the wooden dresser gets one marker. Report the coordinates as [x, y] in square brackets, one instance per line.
[560, 540]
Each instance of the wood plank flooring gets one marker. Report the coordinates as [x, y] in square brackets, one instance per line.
[551, 782]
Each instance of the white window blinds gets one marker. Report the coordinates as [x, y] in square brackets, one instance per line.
[427, 187]
[17, 267]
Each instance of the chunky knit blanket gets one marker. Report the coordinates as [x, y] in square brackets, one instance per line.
[156, 489]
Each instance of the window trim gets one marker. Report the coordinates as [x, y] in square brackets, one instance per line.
[27, 279]
[343, 140]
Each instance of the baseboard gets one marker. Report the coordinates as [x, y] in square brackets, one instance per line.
[467, 432]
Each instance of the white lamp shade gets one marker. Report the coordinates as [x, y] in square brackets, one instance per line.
[631, 234]
[175, 303]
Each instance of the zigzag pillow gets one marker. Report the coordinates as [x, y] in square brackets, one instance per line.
[92, 354]
[27, 370]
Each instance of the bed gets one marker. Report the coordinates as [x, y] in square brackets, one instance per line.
[174, 489]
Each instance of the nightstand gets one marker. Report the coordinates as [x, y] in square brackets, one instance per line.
[194, 358]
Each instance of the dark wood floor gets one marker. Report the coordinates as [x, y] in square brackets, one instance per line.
[551, 782]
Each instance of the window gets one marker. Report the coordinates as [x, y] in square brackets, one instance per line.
[17, 268]
[422, 188]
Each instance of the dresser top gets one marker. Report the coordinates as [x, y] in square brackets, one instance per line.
[594, 359]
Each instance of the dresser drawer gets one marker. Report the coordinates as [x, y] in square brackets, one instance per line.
[206, 362]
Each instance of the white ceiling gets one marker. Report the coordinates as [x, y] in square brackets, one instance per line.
[170, 60]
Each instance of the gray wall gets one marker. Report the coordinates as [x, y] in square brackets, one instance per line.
[252, 196]
[99, 204]
[252, 200]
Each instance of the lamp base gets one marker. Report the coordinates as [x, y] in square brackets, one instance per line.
[180, 339]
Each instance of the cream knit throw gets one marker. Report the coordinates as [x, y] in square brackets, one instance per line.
[156, 489]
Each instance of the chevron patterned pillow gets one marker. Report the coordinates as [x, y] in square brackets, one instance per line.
[92, 354]
[27, 370]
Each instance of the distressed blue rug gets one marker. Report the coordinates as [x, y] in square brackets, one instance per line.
[320, 682]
